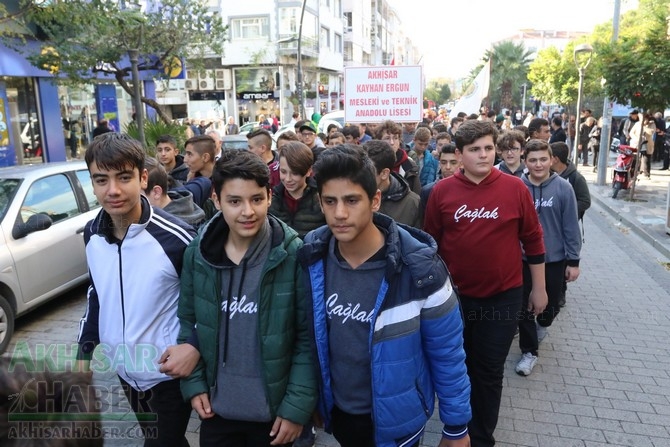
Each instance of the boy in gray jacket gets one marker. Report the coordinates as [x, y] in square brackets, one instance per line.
[557, 210]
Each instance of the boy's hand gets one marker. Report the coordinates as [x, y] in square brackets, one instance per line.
[537, 301]
[463, 442]
[178, 361]
[284, 431]
[200, 404]
[571, 273]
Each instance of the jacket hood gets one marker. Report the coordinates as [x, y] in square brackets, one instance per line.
[405, 245]
[400, 157]
[569, 170]
[492, 177]
[182, 205]
[214, 234]
[398, 188]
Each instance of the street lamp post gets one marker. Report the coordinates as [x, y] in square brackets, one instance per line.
[280, 68]
[300, 83]
[587, 51]
[137, 99]
[607, 111]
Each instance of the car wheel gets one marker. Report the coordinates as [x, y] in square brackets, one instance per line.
[6, 323]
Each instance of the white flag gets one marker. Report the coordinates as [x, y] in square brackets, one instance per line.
[475, 94]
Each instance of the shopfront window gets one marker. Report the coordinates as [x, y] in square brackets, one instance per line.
[23, 119]
[79, 117]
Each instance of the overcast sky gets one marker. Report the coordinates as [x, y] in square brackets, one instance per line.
[454, 34]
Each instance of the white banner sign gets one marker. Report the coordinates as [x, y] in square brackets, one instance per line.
[376, 94]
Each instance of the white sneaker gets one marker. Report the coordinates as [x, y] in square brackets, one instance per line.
[526, 364]
[541, 333]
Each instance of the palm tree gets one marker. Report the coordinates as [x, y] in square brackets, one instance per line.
[509, 69]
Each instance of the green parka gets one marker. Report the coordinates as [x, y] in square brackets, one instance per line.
[286, 357]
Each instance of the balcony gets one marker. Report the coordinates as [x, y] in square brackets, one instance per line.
[288, 46]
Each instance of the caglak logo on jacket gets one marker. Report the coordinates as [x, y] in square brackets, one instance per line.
[474, 214]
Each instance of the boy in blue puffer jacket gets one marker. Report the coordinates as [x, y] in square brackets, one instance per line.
[384, 316]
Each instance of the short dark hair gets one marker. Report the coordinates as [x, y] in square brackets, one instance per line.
[299, 124]
[439, 127]
[265, 136]
[239, 164]
[203, 144]
[169, 139]
[298, 156]
[561, 151]
[334, 135]
[535, 145]
[535, 125]
[157, 175]
[331, 126]
[449, 148]
[443, 136]
[456, 119]
[389, 127]
[472, 130]
[507, 138]
[346, 161]
[115, 151]
[381, 153]
[557, 121]
[352, 131]
[289, 135]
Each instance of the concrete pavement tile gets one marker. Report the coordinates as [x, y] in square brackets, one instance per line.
[619, 415]
[592, 401]
[517, 438]
[581, 433]
[644, 429]
[556, 441]
[554, 418]
[538, 428]
[628, 439]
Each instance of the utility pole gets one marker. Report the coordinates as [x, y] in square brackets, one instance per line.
[606, 130]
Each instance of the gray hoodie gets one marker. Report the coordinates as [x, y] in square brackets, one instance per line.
[182, 206]
[556, 208]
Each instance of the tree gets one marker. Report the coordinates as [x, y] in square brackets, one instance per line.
[85, 38]
[509, 66]
[438, 90]
[636, 66]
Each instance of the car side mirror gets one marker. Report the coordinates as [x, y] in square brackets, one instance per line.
[36, 222]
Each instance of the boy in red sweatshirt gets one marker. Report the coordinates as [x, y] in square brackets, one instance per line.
[482, 219]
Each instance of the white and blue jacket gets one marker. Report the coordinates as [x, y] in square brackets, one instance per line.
[132, 301]
[415, 342]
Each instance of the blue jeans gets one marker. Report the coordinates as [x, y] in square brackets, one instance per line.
[490, 324]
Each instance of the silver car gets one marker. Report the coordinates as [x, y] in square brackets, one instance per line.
[43, 211]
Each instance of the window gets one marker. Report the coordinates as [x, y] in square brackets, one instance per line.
[337, 43]
[250, 28]
[85, 180]
[52, 196]
[288, 20]
[337, 8]
[324, 37]
[349, 21]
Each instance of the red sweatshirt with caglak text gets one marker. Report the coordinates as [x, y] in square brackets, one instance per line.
[481, 230]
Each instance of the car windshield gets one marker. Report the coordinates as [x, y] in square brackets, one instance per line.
[8, 188]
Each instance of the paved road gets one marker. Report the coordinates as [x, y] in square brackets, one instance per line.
[603, 376]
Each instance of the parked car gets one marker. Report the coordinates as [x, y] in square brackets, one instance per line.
[43, 211]
[245, 129]
[336, 117]
[234, 142]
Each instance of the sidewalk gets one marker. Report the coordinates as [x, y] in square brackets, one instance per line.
[647, 214]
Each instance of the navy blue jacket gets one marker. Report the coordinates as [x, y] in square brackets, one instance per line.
[416, 337]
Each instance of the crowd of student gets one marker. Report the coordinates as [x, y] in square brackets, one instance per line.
[355, 276]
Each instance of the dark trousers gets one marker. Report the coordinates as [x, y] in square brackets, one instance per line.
[161, 412]
[221, 432]
[645, 166]
[490, 324]
[554, 273]
[353, 430]
[665, 157]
